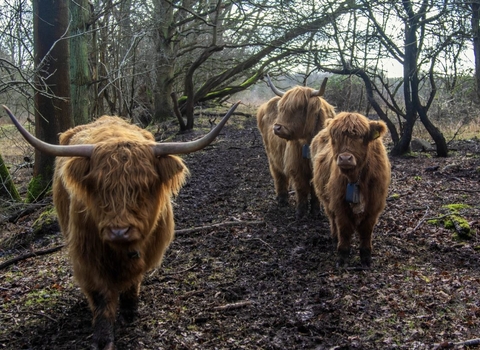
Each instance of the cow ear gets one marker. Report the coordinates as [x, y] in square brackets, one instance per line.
[73, 171]
[172, 173]
[377, 129]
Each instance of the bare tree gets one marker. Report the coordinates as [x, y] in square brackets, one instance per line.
[52, 111]
[79, 70]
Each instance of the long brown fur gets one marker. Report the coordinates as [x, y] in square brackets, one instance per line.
[351, 134]
[121, 185]
[298, 116]
[274, 147]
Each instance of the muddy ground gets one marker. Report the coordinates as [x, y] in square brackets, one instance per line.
[243, 274]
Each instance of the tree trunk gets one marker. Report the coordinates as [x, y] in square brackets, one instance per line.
[165, 58]
[476, 42]
[52, 108]
[79, 72]
[8, 191]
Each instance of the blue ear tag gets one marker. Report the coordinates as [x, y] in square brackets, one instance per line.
[353, 193]
[306, 151]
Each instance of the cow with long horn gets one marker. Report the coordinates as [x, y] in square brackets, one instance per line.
[112, 190]
[288, 124]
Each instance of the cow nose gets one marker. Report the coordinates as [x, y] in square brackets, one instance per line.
[119, 232]
[277, 128]
[346, 159]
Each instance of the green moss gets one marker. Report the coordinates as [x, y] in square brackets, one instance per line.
[456, 207]
[455, 222]
[395, 196]
[37, 188]
[461, 226]
[41, 296]
[46, 222]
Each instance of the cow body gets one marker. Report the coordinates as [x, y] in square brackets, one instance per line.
[274, 148]
[290, 123]
[114, 210]
[351, 175]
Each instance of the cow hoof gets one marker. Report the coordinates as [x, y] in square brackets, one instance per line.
[109, 346]
[343, 255]
[127, 316]
[282, 200]
[366, 262]
[366, 258]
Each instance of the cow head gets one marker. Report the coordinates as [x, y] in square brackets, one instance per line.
[301, 112]
[123, 187]
[351, 135]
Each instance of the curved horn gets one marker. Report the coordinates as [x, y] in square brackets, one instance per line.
[320, 92]
[54, 150]
[274, 88]
[162, 149]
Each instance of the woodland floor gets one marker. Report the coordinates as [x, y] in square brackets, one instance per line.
[254, 278]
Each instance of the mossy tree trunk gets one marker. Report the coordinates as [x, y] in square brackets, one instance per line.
[8, 191]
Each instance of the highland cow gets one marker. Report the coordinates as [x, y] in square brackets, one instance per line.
[112, 190]
[294, 117]
[351, 175]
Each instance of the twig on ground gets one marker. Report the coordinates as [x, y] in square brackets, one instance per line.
[261, 240]
[461, 190]
[232, 306]
[422, 220]
[220, 224]
[449, 345]
[30, 255]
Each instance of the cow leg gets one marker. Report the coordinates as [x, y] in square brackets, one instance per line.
[365, 230]
[301, 194]
[280, 181]
[104, 310]
[314, 202]
[333, 228]
[129, 303]
[344, 234]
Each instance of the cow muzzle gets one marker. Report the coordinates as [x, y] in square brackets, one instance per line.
[346, 161]
[281, 131]
[119, 234]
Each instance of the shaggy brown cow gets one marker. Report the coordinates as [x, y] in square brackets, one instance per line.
[295, 117]
[112, 189]
[351, 175]
[274, 147]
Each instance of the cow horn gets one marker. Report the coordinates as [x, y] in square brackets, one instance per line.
[274, 88]
[54, 150]
[320, 92]
[161, 149]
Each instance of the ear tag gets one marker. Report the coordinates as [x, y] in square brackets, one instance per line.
[353, 193]
[306, 151]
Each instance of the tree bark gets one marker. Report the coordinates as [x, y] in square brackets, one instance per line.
[165, 62]
[53, 113]
[79, 71]
[476, 42]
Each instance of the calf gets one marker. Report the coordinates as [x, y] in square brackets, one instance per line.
[351, 175]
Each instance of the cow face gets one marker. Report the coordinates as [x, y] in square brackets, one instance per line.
[124, 188]
[300, 114]
[351, 135]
